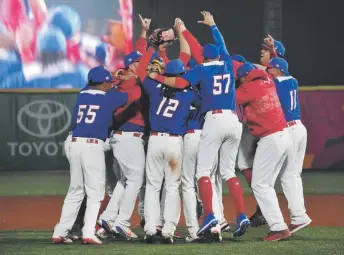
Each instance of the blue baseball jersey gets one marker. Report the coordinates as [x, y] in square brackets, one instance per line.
[169, 115]
[61, 75]
[93, 111]
[195, 118]
[287, 91]
[216, 79]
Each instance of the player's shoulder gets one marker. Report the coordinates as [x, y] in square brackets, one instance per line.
[286, 81]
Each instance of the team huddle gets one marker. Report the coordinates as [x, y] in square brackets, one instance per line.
[200, 115]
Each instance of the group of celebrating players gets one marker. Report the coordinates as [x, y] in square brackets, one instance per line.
[201, 117]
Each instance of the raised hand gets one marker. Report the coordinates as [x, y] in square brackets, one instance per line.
[179, 25]
[145, 23]
[270, 41]
[208, 19]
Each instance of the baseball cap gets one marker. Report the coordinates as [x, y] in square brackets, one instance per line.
[175, 66]
[280, 64]
[244, 70]
[131, 58]
[99, 74]
[51, 39]
[210, 51]
[279, 48]
[238, 58]
[192, 63]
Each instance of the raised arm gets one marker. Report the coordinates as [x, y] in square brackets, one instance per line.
[144, 62]
[184, 46]
[141, 43]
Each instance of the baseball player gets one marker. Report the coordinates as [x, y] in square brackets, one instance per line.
[221, 131]
[91, 117]
[52, 70]
[287, 91]
[196, 52]
[274, 155]
[169, 110]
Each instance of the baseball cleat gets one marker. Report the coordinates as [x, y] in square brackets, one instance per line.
[192, 238]
[107, 225]
[168, 238]
[257, 219]
[216, 233]
[296, 227]
[277, 235]
[91, 240]
[243, 223]
[208, 222]
[125, 232]
[149, 238]
[73, 236]
[61, 240]
[225, 226]
[177, 235]
[102, 233]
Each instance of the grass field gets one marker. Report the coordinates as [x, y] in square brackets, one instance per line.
[37, 183]
[312, 241]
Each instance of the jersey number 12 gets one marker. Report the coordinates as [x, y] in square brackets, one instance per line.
[170, 109]
[218, 80]
[90, 115]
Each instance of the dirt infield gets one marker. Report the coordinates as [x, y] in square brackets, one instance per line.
[43, 212]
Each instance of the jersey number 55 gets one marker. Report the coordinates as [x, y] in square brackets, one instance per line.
[90, 114]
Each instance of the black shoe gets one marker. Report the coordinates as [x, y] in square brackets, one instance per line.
[257, 219]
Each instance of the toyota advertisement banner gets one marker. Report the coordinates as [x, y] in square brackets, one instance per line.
[34, 127]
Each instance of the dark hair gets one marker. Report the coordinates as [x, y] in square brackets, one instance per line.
[173, 75]
[91, 83]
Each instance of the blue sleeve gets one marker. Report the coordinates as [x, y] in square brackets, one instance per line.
[117, 99]
[220, 42]
[196, 100]
[14, 81]
[148, 84]
[194, 76]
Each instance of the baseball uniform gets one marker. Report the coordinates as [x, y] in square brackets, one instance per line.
[168, 113]
[91, 117]
[274, 155]
[287, 91]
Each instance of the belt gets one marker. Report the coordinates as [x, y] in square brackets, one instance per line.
[161, 134]
[190, 131]
[220, 111]
[89, 140]
[135, 134]
[291, 123]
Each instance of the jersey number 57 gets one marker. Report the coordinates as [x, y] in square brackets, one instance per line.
[219, 81]
[90, 114]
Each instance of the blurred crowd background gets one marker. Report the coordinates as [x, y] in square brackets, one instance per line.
[53, 43]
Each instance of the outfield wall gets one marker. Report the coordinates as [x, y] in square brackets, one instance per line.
[36, 122]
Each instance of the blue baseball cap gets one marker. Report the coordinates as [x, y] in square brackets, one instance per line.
[131, 58]
[51, 39]
[210, 51]
[279, 48]
[99, 74]
[238, 58]
[280, 64]
[245, 69]
[175, 66]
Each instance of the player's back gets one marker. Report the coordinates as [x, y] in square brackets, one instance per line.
[287, 90]
[168, 114]
[93, 111]
[59, 75]
[217, 86]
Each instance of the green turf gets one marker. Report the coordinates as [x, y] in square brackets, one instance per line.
[33, 183]
[310, 241]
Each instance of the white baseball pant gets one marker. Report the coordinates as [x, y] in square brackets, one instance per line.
[189, 184]
[87, 175]
[292, 182]
[164, 160]
[220, 136]
[128, 150]
[247, 149]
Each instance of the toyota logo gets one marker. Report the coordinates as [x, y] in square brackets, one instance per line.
[44, 118]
